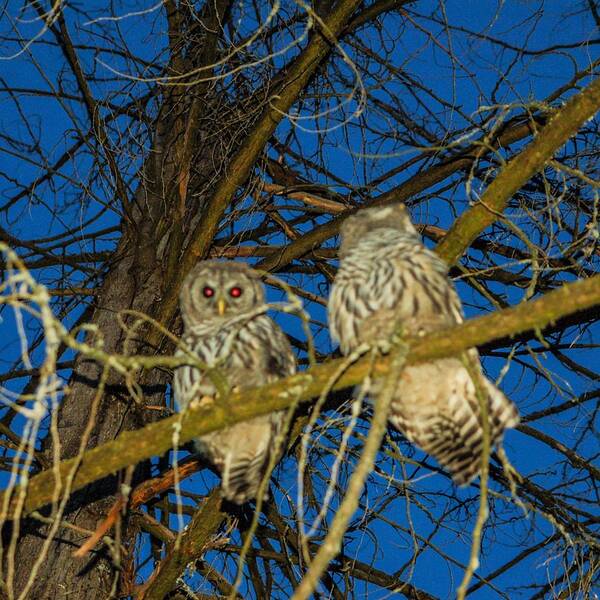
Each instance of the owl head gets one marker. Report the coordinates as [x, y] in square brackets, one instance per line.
[361, 224]
[215, 291]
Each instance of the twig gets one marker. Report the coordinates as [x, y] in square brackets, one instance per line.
[483, 512]
[332, 543]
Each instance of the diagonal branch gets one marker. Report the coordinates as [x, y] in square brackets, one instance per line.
[575, 459]
[407, 189]
[562, 126]
[194, 542]
[156, 438]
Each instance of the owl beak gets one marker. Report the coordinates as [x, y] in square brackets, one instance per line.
[221, 306]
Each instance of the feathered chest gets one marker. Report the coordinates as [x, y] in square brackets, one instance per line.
[230, 346]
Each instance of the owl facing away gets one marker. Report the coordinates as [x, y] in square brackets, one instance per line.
[224, 326]
[388, 279]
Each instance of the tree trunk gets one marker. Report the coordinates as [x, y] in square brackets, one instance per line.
[154, 231]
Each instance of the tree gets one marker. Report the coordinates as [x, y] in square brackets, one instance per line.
[137, 141]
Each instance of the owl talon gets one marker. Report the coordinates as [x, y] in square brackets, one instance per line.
[383, 346]
[202, 402]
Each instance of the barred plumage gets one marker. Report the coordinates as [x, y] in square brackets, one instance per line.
[388, 278]
[222, 305]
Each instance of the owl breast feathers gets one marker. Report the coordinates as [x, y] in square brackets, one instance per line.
[222, 306]
[389, 280]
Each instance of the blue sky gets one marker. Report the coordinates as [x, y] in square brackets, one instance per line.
[466, 84]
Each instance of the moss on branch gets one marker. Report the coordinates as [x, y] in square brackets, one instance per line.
[156, 438]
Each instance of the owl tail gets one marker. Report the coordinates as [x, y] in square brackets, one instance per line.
[458, 441]
[242, 475]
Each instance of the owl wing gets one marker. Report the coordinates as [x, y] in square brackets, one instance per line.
[427, 299]
[437, 408]
[280, 360]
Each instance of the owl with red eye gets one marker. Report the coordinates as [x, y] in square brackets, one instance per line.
[225, 328]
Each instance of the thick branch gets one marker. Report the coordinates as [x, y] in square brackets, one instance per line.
[156, 438]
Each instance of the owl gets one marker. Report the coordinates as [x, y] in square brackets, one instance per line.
[388, 279]
[225, 325]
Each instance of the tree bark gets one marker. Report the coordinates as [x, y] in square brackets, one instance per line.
[136, 279]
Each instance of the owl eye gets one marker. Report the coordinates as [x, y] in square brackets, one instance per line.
[236, 292]
[207, 292]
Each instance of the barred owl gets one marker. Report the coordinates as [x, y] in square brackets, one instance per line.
[224, 326]
[388, 278]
